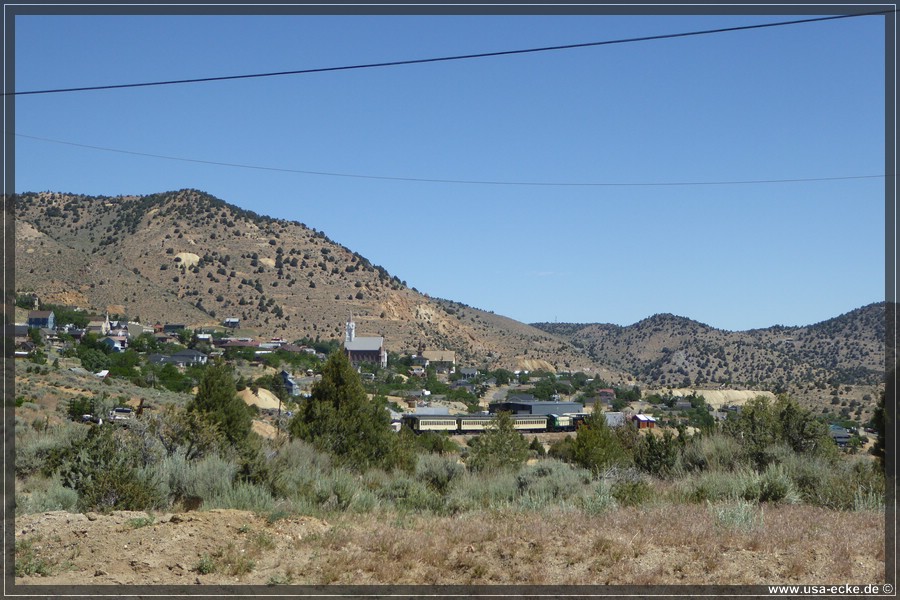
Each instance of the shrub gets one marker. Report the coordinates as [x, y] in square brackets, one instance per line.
[242, 496]
[52, 495]
[105, 470]
[43, 450]
[336, 491]
[500, 447]
[631, 492]
[741, 514]
[475, 491]
[598, 500]
[598, 447]
[551, 482]
[437, 472]
[776, 486]
[409, 494]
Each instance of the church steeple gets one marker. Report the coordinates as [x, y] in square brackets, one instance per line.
[351, 330]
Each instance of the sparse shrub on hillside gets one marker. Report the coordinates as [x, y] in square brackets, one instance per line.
[551, 482]
[104, 469]
[44, 495]
[476, 491]
[438, 472]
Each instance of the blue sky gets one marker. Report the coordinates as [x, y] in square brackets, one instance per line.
[803, 101]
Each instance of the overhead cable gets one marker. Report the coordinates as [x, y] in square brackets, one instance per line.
[456, 181]
[447, 58]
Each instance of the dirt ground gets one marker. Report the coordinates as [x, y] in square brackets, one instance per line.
[678, 544]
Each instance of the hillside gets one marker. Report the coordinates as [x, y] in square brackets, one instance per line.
[188, 257]
[837, 355]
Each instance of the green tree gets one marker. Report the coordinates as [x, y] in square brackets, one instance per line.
[758, 429]
[339, 419]
[499, 447]
[597, 447]
[105, 469]
[799, 429]
[217, 399]
[658, 455]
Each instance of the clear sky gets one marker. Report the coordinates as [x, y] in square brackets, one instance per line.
[794, 102]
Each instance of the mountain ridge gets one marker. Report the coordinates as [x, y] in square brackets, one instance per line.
[186, 256]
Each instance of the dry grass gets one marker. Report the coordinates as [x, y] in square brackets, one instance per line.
[676, 544]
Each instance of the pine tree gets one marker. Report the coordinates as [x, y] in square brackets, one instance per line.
[217, 399]
[597, 446]
[338, 418]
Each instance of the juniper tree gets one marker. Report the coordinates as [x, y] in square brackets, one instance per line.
[338, 418]
[217, 400]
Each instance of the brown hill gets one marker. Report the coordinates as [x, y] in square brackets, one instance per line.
[188, 257]
[844, 356]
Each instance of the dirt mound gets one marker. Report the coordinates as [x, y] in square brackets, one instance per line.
[135, 548]
[263, 398]
[717, 398]
[264, 429]
[188, 259]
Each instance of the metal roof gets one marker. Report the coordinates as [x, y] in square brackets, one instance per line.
[364, 344]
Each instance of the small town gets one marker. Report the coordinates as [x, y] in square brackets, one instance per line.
[450, 301]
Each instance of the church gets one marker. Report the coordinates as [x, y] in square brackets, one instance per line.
[364, 349]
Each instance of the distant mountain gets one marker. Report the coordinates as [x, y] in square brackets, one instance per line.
[188, 257]
[670, 351]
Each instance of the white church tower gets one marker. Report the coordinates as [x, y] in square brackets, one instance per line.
[351, 330]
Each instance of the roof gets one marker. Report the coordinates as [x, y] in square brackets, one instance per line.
[189, 352]
[365, 344]
[439, 355]
[39, 314]
[468, 371]
[646, 418]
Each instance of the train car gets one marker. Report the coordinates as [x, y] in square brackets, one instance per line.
[420, 423]
[560, 423]
[530, 422]
[474, 423]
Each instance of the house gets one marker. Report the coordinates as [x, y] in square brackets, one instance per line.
[614, 419]
[840, 435]
[173, 328]
[418, 360]
[114, 344]
[683, 405]
[40, 319]
[443, 361]
[232, 322]
[160, 359]
[644, 421]
[190, 357]
[292, 387]
[606, 396]
[468, 372]
[20, 334]
[100, 328]
[361, 349]
[463, 385]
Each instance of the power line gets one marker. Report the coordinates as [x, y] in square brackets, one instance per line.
[447, 58]
[455, 181]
